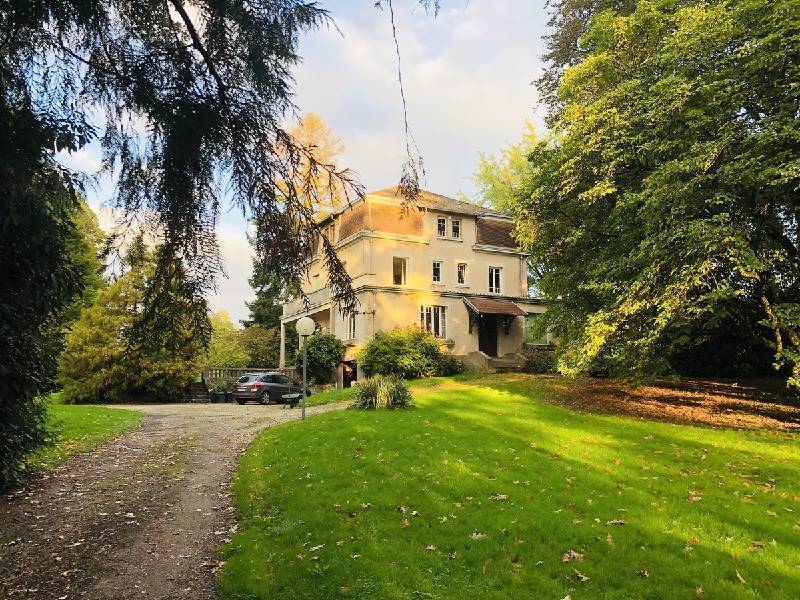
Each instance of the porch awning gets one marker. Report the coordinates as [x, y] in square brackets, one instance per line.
[494, 306]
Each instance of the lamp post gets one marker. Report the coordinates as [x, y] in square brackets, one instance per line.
[305, 327]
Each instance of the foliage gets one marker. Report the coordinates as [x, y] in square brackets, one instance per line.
[262, 346]
[664, 210]
[325, 352]
[85, 248]
[226, 348]
[100, 364]
[489, 472]
[500, 179]
[40, 277]
[76, 429]
[188, 97]
[382, 391]
[408, 352]
[539, 359]
[566, 43]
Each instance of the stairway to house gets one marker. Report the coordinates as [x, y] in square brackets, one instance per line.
[197, 392]
[506, 364]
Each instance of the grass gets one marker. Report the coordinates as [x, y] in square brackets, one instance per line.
[79, 428]
[485, 490]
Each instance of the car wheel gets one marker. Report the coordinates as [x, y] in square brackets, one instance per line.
[265, 399]
[241, 401]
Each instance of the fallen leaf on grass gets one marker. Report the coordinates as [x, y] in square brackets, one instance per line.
[499, 497]
[570, 555]
[740, 578]
[610, 539]
[756, 545]
[643, 573]
[477, 536]
[699, 592]
[430, 547]
[581, 576]
[315, 548]
[616, 522]
[694, 498]
[404, 523]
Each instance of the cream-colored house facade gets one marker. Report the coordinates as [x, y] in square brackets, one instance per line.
[446, 265]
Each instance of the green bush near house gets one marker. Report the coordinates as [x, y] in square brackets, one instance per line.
[539, 359]
[408, 352]
[325, 353]
[382, 391]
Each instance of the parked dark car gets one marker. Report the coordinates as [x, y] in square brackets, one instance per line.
[267, 388]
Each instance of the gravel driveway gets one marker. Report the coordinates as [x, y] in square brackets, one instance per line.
[140, 517]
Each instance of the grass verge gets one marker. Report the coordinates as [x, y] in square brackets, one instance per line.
[79, 428]
[484, 490]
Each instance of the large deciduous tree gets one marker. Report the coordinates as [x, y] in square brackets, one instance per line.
[667, 207]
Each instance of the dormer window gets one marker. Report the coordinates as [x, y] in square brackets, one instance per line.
[455, 229]
[441, 227]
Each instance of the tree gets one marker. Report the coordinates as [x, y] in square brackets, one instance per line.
[500, 179]
[312, 133]
[262, 346]
[100, 365]
[665, 211]
[569, 23]
[226, 348]
[325, 352]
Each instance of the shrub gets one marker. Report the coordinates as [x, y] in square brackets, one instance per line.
[225, 348]
[325, 352]
[409, 352]
[541, 359]
[382, 392]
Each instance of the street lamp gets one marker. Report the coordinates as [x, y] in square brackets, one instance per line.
[305, 327]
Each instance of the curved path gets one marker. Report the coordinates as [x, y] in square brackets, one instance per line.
[141, 517]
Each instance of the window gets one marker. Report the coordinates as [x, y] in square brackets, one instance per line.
[434, 319]
[494, 280]
[461, 274]
[455, 229]
[531, 337]
[283, 380]
[399, 270]
[437, 271]
[441, 227]
[351, 327]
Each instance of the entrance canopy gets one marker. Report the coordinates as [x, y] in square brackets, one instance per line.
[486, 312]
[494, 306]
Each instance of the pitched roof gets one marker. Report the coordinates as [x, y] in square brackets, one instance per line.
[494, 306]
[494, 232]
[438, 202]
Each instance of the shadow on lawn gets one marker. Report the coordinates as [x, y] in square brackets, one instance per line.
[757, 405]
[651, 487]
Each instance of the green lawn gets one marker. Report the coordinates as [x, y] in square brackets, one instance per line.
[79, 428]
[484, 490]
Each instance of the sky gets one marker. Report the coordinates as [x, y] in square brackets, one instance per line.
[467, 76]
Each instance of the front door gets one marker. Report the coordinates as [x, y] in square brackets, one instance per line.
[487, 335]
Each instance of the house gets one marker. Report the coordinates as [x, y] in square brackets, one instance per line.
[446, 265]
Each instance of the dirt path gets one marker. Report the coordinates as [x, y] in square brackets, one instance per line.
[141, 517]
